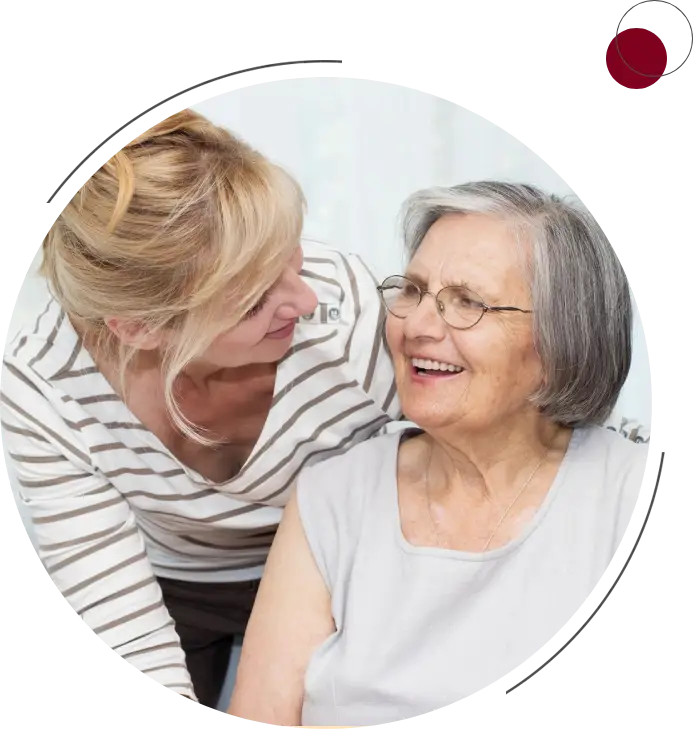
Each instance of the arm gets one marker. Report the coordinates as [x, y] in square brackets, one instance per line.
[89, 542]
[292, 616]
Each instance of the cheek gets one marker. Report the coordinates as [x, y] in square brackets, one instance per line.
[507, 358]
[394, 335]
[533, 373]
[518, 367]
[219, 349]
[241, 338]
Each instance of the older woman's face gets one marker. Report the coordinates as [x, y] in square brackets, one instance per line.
[500, 367]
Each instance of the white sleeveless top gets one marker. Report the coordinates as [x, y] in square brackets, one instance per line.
[419, 628]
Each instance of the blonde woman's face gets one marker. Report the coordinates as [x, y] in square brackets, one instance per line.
[266, 332]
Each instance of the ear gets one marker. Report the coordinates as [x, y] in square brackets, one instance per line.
[133, 334]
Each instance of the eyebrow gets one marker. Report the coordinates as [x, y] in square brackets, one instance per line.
[418, 279]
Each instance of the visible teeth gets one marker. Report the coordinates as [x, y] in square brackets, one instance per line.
[429, 364]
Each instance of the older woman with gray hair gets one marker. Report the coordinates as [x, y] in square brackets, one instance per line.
[426, 564]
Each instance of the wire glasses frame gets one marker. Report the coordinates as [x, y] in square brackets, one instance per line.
[459, 307]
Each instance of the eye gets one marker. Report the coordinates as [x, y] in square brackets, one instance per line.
[257, 308]
[409, 290]
[460, 298]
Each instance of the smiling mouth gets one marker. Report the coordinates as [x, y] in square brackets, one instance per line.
[434, 368]
[281, 333]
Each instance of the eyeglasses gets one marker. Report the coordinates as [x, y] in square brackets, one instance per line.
[457, 305]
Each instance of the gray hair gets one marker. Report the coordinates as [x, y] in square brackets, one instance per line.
[580, 296]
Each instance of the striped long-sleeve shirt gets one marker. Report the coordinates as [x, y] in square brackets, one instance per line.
[112, 508]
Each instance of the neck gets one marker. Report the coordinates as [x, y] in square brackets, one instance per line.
[493, 463]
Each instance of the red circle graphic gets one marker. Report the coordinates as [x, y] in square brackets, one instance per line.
[636, 58]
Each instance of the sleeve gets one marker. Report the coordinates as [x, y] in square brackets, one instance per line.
[369, 351]
[87, 537]
[331, 498]
[318, 519]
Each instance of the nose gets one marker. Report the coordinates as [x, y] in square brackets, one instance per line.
[425, 320]
[299, 300]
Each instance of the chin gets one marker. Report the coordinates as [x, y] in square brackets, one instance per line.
[272, 351]
[427, 416]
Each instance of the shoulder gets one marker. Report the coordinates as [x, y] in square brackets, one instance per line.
[614, 467]
[320, 257]
[340, 277]
[349, 306]
[616, 470]
[342, 485]
[46, 346]
[21, 381]
[43, 357]
[36, 417]
[615, 452]
[332, 498]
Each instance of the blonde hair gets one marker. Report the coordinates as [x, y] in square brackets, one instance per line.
[180, 222]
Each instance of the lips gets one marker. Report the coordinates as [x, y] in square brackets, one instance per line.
[424, 369]
[432, 365]
[282, 333]
[430, 375]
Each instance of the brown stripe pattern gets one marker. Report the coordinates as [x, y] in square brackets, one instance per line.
[112, 508]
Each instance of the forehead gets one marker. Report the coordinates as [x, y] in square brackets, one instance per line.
[482, 252]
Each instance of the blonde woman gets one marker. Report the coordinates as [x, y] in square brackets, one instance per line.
[193, 358]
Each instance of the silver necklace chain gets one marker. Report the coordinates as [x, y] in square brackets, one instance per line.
[505, 513]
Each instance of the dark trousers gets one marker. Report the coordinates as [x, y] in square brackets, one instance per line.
[207, 617]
